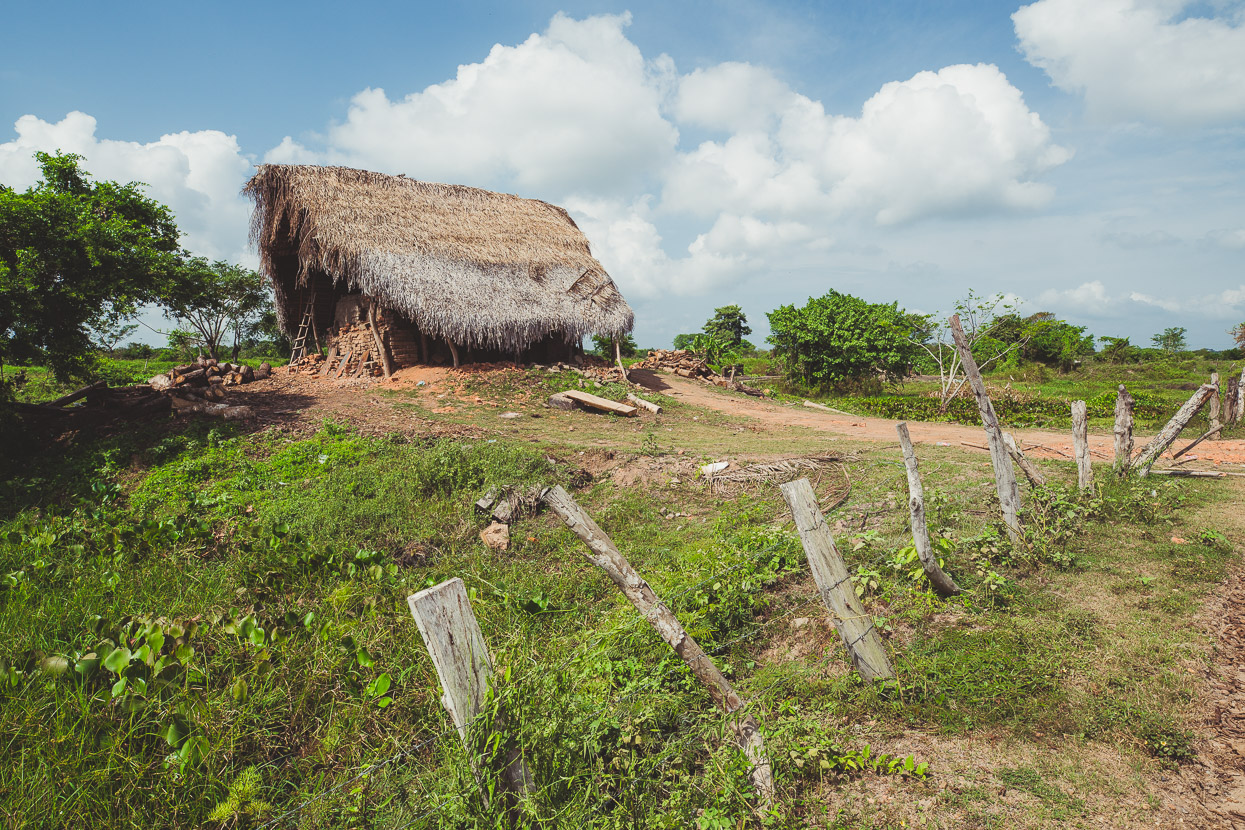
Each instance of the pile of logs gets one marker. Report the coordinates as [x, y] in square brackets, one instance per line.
[683, 362]
[200, 386]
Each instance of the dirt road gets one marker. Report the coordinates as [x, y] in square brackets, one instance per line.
[1039, 443]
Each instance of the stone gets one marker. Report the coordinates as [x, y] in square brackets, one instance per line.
[496, 536]
[560, 401]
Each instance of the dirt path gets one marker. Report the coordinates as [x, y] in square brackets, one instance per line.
[1044, 443]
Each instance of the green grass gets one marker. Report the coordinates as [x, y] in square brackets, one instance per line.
[34, 384]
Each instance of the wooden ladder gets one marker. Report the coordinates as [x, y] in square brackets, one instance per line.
[306, 327]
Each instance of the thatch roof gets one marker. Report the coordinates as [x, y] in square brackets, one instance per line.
[477, 267]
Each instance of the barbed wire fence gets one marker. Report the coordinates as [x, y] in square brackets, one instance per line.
[428, 803]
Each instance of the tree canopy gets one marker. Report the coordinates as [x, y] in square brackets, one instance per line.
[729, 324]
[1171, 339]
[217, 299]
[75, 257]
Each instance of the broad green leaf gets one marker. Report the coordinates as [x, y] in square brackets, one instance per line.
[118, 688]
[379, 686]
[184, 652]
[117, 660]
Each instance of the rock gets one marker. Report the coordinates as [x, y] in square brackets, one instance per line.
[560, 401]
[496, 536]
[160, 383]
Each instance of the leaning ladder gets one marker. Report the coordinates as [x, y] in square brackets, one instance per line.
[305, 328]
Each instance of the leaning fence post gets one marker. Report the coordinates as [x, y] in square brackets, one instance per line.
[1151, 451]
[943, 584]
[1080, 444]
[460, 655]
[859, 634]
[606, 556]
[1004, 474]
[1123, 430]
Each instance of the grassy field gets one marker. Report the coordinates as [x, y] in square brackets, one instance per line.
[34, 383]
[208, 627]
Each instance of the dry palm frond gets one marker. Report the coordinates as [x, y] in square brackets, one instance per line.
[779, 471]
[472, 266]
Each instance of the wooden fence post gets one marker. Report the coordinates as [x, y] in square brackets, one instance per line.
[460, 655]
[1123, 430]
[606, 556]
[1080, 444]
[1151, 451]
[1240, 397]
[943, 584]
[1022, 461]
[863, 642]
[1213, 411]
[1004, 474]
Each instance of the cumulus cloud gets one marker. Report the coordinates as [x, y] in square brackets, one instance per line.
[1228, 304]
[1139, 59]
[1089, 298]
[197, 174]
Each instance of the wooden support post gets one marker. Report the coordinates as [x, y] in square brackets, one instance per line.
[606, 556]
[1080, 445]
[648, 406]
[453, 351]
[1123, 430]
[1004, 474]
[1207, 434]
[1151, 451]
[943, 584]
[1022, 461]
[1230, 412]
[618, 358]
[1214, 410]
[363, 361]
[1240, 397]
[385, 364]
[81, 393]
[425, 354]
[863, 642]
[460, 655]
[341, 368]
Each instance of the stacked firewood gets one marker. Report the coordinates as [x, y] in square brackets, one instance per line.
[200, 386]
[683, 362]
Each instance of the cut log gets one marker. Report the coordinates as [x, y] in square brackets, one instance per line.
[602, 404]
[1123, 430]
[1080, 446]
[643, 404]
[161, 383]
[78, 395]
[248, 374]
[1004, 474]
[1151, 451]
[855, 626]
[944, 585]
[607, 557]
[1022, 461]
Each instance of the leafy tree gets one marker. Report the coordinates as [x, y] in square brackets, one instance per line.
[1055, 342]
[728, 324]
[604, 346]
[217, 299]
[995, 334]
[1171, 340]
[685, 341]
[1238, 335]
[75, 254]
[838, 338]
[1118, 350]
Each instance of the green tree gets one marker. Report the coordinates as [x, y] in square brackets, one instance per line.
[685, 341]
[728, 324]
[1055, 342]
[1118, 350]
[838, 338]
[76, 256]
[1171, 340]
[604, 346]
[215, 300]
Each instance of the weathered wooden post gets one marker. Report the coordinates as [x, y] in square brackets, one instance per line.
[386, 364]
[944, 585]
[1214, 409]
[607, 557]
[1150, 452]
[1240, 397]
[1022, 461]
[1004, 474]
[1123, 430]
[1230, 412]
[460, 655]
[618, 358]
[856, 627]
[1080, 444]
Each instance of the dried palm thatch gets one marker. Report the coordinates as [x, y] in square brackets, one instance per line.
[471, 266]
[779, 471]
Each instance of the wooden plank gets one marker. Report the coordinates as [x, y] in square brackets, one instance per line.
[460, 655]
[648, 406]
[341, 367]
[607, 557]
[328, 361]
[362, 364]
[1080, 446]
[943, 584]
[603, 404]
[1123, 430]
[1151, 451]
[856, 627]
[1022, 461]
[1004, 474]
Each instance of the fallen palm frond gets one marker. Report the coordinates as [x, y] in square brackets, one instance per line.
[779, 471]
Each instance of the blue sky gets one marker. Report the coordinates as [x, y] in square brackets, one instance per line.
[1084, 156]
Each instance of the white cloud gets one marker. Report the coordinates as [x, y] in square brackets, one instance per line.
[1231, 239]
[1089, 298]
[197, 174]
[731, 97]
[1138, 59]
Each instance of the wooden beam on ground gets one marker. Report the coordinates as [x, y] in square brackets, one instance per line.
[606, 556]
[1004, 474]
[1123, 430]
[79, 395]
[864, 644]
[460, 655]
[1022, 461]
[1151, 451]
[943, 584]
[1080, 445]
[648, 406]
[603, 404]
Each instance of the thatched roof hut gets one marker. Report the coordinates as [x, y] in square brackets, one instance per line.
[468, 266]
